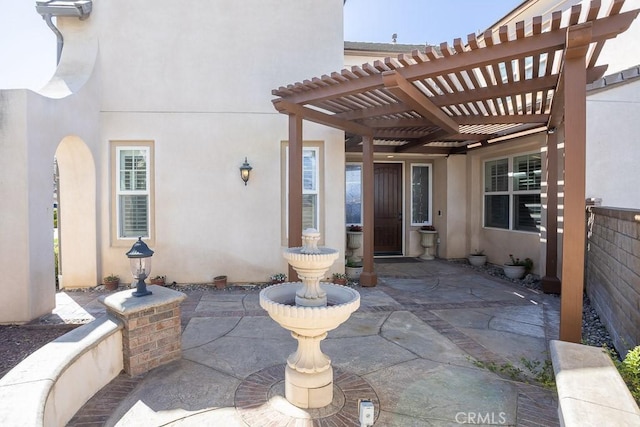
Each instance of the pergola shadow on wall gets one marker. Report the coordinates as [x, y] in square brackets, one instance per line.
[450, 100]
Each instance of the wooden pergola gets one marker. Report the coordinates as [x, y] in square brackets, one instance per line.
[460, 98]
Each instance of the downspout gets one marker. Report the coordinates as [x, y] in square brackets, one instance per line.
[56, 31]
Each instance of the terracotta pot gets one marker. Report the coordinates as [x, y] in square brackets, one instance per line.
[340, 281]
[111, 285]
[159, 282]
[220, 282]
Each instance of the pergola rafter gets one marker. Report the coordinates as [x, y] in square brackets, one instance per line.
[490, 80]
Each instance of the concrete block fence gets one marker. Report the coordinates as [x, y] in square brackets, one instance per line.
[613, 272]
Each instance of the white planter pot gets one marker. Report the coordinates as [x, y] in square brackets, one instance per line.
[513, 271]
[354, 242]
[427, 241]
[477, 260]
[353, 273]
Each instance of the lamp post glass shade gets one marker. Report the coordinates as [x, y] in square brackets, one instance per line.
[140, 262]
[245, 169]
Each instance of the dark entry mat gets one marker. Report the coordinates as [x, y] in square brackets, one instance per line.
[399, 260]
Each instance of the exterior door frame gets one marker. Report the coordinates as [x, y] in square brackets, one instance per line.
[403, 206]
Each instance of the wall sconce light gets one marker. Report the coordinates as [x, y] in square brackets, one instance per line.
[140, 262]
[245, 169]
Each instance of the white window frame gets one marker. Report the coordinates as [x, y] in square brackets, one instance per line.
[119, 192]
[429, 166]
[345, 192]
[316, 179]
[317, 147]
[510, 190]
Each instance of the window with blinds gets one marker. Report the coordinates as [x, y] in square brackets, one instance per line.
[311, 187]
[132, 198]
[512, 192]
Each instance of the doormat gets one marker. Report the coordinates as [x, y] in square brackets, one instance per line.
[399, 260]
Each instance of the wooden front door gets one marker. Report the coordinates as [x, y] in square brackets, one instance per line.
[387, 209]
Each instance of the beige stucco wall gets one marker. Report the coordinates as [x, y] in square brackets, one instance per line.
[198, 85]
[497, 243]
[612, 149]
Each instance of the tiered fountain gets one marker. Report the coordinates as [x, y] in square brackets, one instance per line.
[309, 310]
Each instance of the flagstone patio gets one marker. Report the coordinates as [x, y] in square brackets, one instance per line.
[410, 349]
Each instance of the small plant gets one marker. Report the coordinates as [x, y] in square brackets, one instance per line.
[354, 264]
[478, 252]
[428, 228]
[278, 277]
[527, 263]
[629, 369]
[541, 372]
[339, 276]
[355, 228]
[159, 278]
[111, 278]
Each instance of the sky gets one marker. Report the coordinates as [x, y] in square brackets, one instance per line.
[28, 46]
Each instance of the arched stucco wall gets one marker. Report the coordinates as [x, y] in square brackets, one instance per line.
[31, 127]
[77, 209]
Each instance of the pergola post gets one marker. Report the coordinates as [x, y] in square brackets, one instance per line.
[575, 112]
[295, 186]
[368, 277]
[550, 282]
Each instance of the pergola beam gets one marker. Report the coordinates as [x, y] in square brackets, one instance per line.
[321, 118]
[418, 101]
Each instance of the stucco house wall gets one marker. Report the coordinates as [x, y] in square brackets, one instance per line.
[198, 86]
[613, 151]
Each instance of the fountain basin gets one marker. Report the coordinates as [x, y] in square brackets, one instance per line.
[278, 301]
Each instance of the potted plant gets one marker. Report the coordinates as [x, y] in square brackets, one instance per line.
[477, 258]
[111, 282]
[353, 269]
[278, 278]
[516, 268]
[220, 282]
[339, 278]
[427, 240]
[158, 280]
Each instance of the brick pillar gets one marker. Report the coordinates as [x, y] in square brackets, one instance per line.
[152, 332]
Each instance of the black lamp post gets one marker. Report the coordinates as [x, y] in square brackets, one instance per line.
[140, 261]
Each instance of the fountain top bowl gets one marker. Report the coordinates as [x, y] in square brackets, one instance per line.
[309, 255]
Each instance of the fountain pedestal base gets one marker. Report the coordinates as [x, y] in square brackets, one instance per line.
[308, 391]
